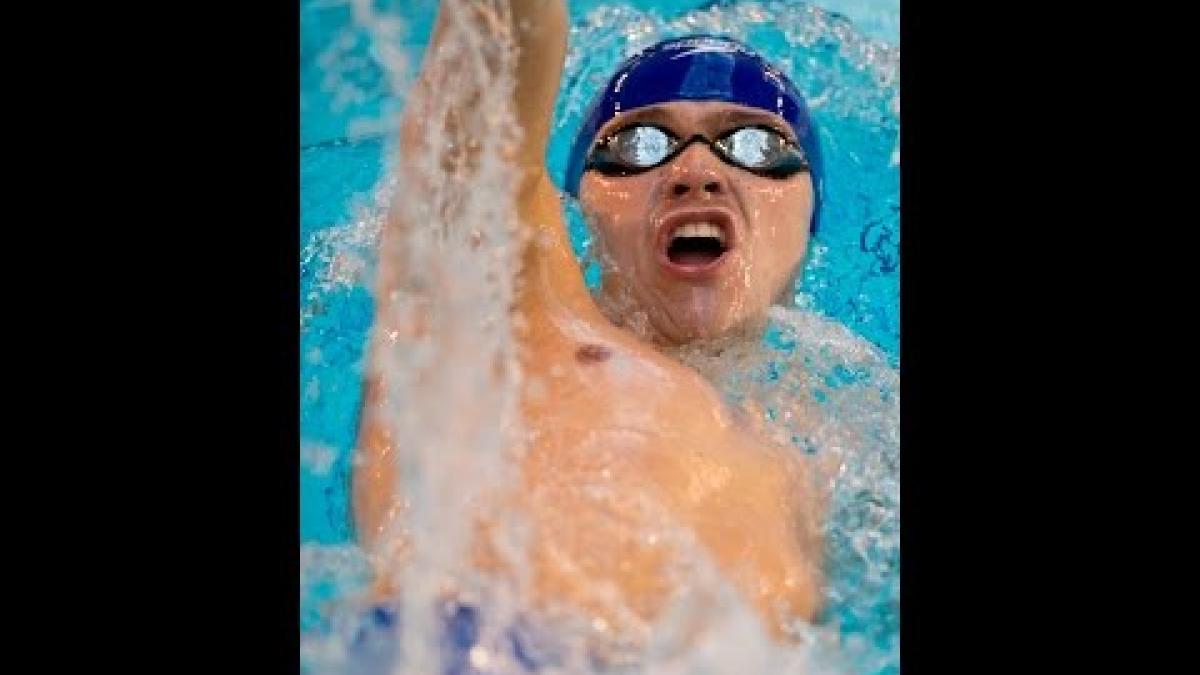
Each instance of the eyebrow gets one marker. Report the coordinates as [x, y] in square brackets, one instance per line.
[655, 113]
[735, 118]
[721, 121]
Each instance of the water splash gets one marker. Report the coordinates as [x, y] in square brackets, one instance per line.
[450, 398]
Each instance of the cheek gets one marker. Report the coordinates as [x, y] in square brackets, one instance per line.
[615, 209]
[782, 220]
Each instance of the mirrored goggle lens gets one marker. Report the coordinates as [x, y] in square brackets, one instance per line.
[756, 148]
[641, 147]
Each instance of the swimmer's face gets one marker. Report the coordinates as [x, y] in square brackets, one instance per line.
[696, 248]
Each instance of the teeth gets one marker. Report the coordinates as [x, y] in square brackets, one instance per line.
[699, 230]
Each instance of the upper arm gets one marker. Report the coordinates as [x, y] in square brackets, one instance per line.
[541, 39]
[537, 30]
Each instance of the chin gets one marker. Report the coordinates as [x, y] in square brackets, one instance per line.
[682, 333]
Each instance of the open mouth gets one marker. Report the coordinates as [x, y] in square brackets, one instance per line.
[696, 245]
[695, 242]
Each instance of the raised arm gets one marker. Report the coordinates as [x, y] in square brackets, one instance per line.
[538, 31]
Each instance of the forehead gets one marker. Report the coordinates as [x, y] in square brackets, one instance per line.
[697, 116]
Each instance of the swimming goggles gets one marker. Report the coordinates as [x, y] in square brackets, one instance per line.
[759, 149]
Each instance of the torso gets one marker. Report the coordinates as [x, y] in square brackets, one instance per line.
[625, 446]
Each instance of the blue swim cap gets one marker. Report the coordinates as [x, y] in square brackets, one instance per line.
[699, 68]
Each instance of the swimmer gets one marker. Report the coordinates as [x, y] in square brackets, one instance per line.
[699, 170]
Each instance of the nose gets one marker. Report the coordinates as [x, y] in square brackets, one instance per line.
[697, 173]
